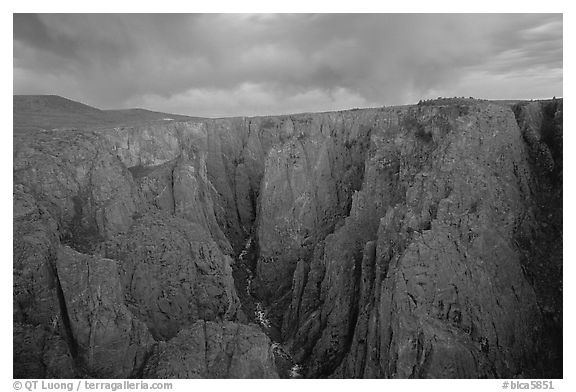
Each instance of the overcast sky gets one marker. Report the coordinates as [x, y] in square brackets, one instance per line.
[229, 64]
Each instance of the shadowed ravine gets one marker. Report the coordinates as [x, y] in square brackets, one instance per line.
[256, 311]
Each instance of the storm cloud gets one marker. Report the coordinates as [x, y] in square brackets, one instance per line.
[230, 64]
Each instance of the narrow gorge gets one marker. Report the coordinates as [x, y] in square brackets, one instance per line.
[418, 241]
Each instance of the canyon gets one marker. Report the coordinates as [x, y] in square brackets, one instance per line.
[417, 241]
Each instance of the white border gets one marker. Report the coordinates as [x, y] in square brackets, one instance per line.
[294, 6]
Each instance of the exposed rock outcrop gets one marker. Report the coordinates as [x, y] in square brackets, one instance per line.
[173, 274]
[214, 350]
[180, 188]
[169, 165]
[307, 187]
[41, 352]
[237, 149]
[35, 249]
[40, 348]
[225, 157]
[540, 237]
[78, 179]
[110, 342]
[72, 189]
[435, 288]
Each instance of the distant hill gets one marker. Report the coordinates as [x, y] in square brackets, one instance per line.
[52, 111]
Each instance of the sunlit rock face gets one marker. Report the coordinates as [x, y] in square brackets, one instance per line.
[408, 242]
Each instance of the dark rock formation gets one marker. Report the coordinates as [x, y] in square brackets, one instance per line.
[169, 165]
[35, 249]
[40, 352]
[425, 278]
[40, 349]
[540, 236]
[173, 274]
[307, 187]
[78, 179]
[415, 241]
[72, 189]
[109, 341]
[214, 350]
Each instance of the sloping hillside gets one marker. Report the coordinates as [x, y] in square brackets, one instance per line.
[33, 112]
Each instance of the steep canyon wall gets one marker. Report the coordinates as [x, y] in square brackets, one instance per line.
[414, 241]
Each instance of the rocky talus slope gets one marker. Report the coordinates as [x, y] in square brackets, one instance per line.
[409, 242]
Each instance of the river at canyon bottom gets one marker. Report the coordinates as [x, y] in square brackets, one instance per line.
[257, 313]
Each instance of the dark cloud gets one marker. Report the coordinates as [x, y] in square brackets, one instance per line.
[31, 30]
[225, 64]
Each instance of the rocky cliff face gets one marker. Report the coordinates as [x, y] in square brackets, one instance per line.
[540, 237]
[79, 180]
[306, 190]
[102, 271]
[444, 293]
[173, 274]
[426, 277]
[214, 350]
[109, 341]
[416, 241]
